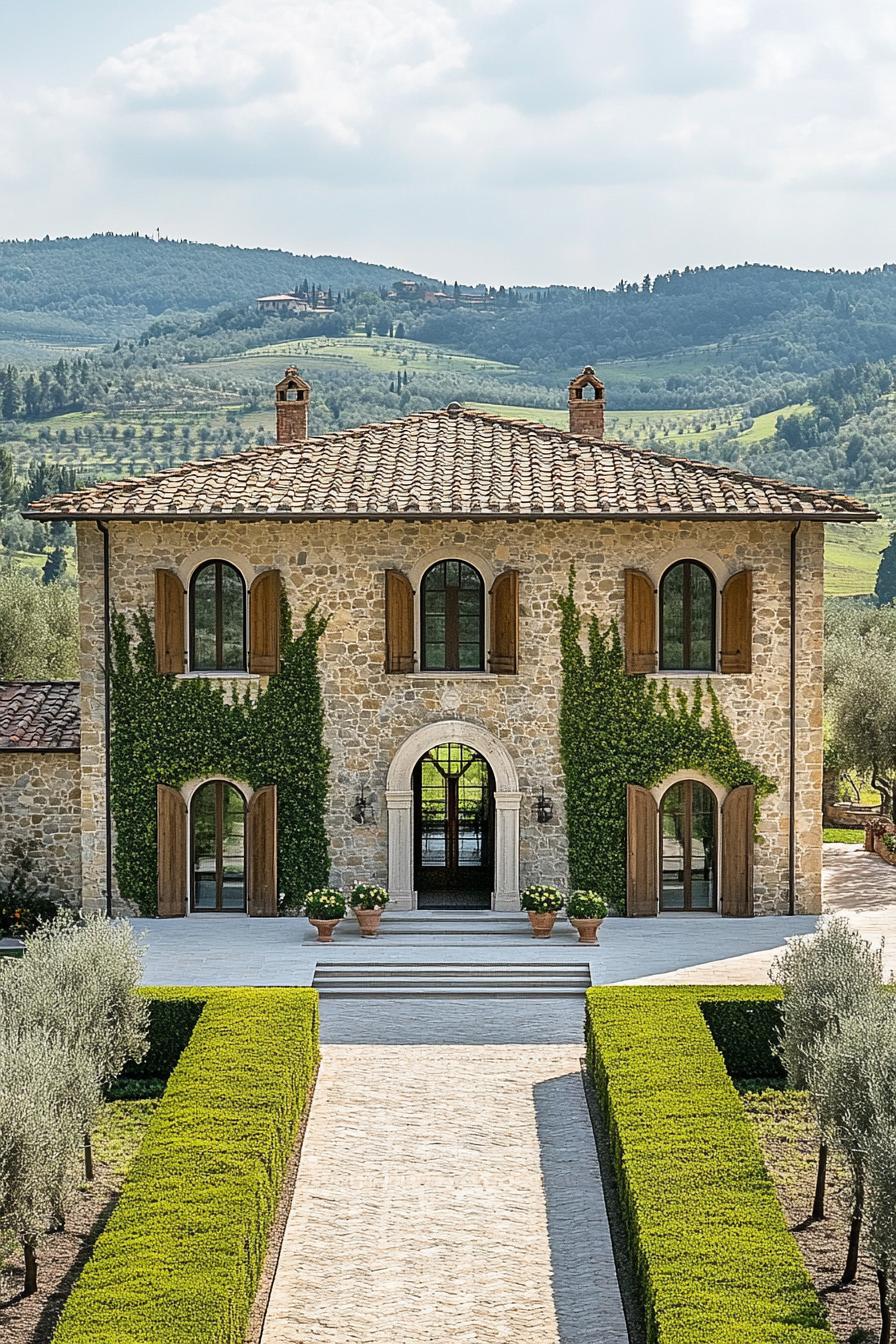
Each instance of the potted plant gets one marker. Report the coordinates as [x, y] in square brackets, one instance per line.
[541, 904]
[368, 903]
[324, 906]
[586, 911]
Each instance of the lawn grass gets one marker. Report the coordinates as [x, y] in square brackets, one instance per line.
[842, 835]
[119, 1131]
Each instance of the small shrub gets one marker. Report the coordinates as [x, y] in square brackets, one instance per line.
[542, 900]
[324, 903]
[368, 897]
[24, 903]
[586, 905]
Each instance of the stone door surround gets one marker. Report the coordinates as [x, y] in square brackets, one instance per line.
[400, 810]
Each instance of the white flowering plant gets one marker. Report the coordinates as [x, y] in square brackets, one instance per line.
[324, 903]
[542, 900]
[366, 896]
[586, 905]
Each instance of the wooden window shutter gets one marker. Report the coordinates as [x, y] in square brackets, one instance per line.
[640, 622]
[264, 623]
[504, 634]
[171, 851]
[737, 851]
[170, 599]
[399, 622]
[642, 833]
[737, 623]
[262, 855]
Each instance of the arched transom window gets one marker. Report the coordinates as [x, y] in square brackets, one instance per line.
[218, 847]
[688, 618]
[452, 608]
[688, 839]
[217, 618]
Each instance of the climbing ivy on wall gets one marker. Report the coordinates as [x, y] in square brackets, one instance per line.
[167, 730]
[617, 729]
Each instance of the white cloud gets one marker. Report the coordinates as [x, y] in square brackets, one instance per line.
[467, 133]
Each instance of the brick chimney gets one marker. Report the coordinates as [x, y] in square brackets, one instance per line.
[292, 395]
[586, 404]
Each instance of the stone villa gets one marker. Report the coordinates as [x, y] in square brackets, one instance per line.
[436, 545]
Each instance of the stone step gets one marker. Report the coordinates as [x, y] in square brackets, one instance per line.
[467, 980]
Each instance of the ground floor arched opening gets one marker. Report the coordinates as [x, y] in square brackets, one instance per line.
[453, 806]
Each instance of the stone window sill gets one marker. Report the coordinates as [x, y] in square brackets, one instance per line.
[218, 676]
[453, 676]
[691, 676]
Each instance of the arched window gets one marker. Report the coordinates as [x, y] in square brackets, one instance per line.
[688, 618]
[217, 618]
[218, 847]
[688, 839]
[452, 607]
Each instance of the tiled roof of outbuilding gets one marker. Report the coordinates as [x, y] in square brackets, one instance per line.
[40, 716]
[450, 463]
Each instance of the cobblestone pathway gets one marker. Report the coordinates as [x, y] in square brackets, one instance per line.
[447, 1193]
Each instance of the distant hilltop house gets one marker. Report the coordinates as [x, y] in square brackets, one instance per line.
[293, 303]
[465, 298]
[436, 546]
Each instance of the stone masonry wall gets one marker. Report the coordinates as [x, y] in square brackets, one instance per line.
[340, 565]
[40, 804]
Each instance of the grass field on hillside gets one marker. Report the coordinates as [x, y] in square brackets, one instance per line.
[377, 354]
[763, 427]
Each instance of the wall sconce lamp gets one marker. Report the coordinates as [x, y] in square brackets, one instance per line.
[362, 812]
[544, 807]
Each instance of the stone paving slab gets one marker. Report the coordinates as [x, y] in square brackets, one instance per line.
[448, 1193]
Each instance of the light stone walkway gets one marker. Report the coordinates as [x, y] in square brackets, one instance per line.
[447, 1194]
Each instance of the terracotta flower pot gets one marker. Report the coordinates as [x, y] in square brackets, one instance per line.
[324, 928]
[586, 929]
[369, 920]
[542, 924]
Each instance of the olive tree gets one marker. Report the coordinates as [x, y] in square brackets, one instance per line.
[860, 696]
[48, 1091]
[824, 977]
[880, 1218]
[79, 983]
[854, 1095]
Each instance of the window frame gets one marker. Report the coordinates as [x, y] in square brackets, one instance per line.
[219, 785]
[219, 565]
[687, 786]
[686, 563]
[452, 620]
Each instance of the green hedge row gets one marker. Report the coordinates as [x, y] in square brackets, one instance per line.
[745, 1032]
[180, 1258]
[714, 1258]
[171, 1023]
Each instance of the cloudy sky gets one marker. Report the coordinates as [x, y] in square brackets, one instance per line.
[501, 140]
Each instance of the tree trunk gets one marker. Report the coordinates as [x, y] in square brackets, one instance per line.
[30, 1268]
[886, 1327]
[855, 1232]
[820, 1181]
[884, 787]
[88, 1158]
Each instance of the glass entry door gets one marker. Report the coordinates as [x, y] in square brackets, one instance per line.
[453, 794]
[218, 815]
[688, 835]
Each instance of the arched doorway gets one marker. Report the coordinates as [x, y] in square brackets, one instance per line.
[453, 829]
[688, 835]
[505, 814]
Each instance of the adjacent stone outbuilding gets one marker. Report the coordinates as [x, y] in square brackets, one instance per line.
[40, 781]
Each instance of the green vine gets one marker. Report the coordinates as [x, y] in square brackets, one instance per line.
[617, 729]
[167, 730]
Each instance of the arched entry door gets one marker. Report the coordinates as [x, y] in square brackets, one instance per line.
[688, 836]
[454, 824]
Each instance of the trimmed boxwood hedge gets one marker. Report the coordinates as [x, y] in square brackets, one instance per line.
[180, 1258]
[715, 1261]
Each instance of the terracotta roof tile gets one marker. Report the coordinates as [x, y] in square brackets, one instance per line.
[455, 462]
[40, 716]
